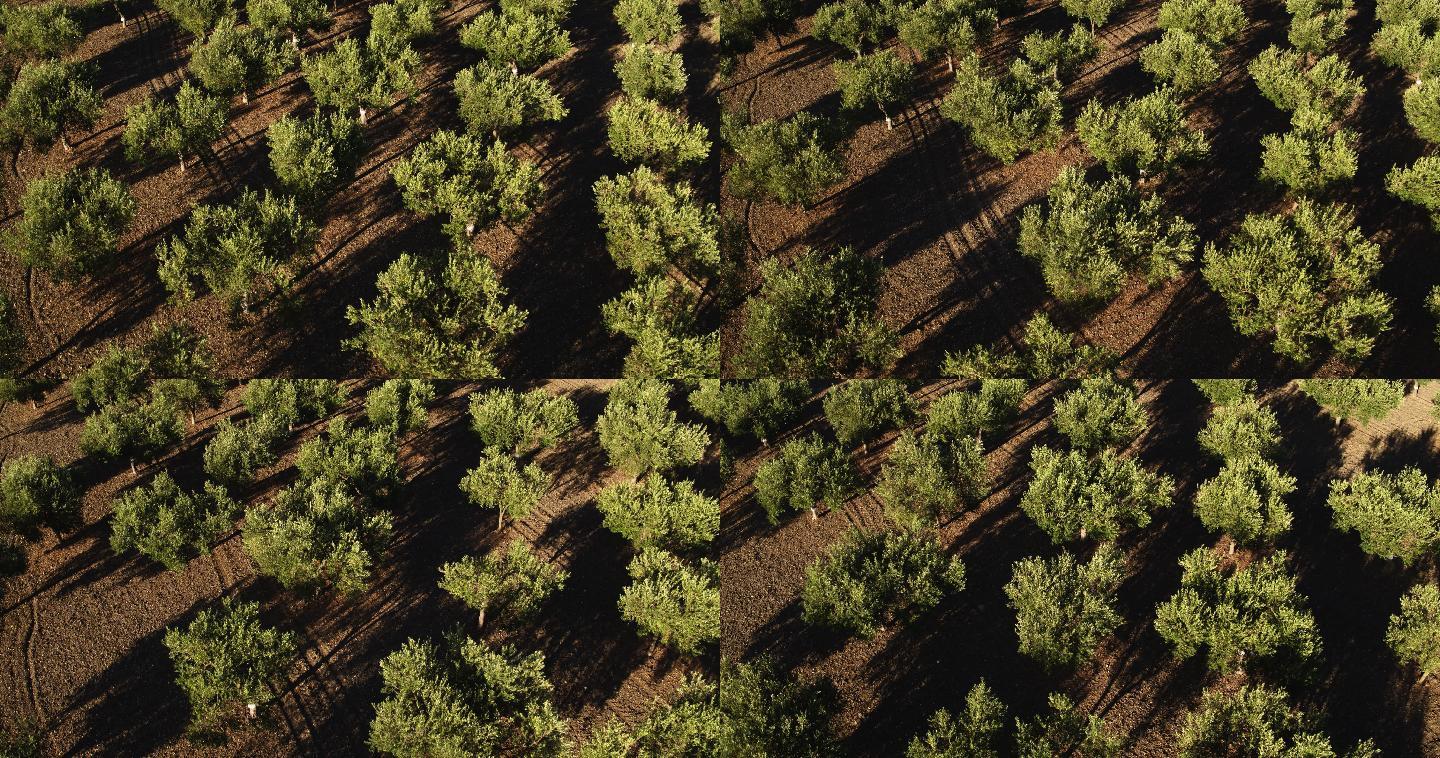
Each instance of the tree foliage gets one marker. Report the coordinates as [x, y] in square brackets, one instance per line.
[645, 132]
[659, 314]
[400, 405]
[314, 157]
[1326, 87]
[1102, 412]
[976, 412]
[514, 581]
[649, 72]
[871, 579]
[475, 184]
[176, 130]
[676, 603]
[239, 59]
[1141, 136]
[1246, 500]
[519, 422]
[641, 435]
[1074, 496]
[198, 16]
[34, 490]
[1305, 278]
[1045, 352]
[464, 697]
[1414, 632]
[434, 321]
[45, 101]
[1059, 54]
[1097, 12]
[227, 656]
[1395, 515]
[952, 27]
[71, 223]
[1315, 25]
[1240, 429]
[972, 733]
[497, 101]
[1005, 115]
[1407, 38]
[660, 513]
[1418, 183]
[351, 78]
[136, 429]
[1357, 400]
[1066, 730]
[880, 79]
[293, 16]
[169, 525]
[1064, 608]
[651, 224]
[500, 482]
[759, 407]
[1310, 158]
[1255, 720]
[770, 712]
[1183, 60]
[791, 161]
[929, 476]
[859, 409]
[806, 472]
[1237, 614]
[815, 316]
[649, 21]
[1214, 21]
[1089, 239]
[853, 24]
[516, 38]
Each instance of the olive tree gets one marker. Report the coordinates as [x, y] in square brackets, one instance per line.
[71, 223]
[34, 490]
[46, 100]
[289, 402]
[660, 513]
[676, 603]
[1254, 720]
[1061, 54]
[292, 17]
[198, 16]
[1141, 136]
[860, 409]
[351, 78]
[437, 321]
[239, 59]
[399, 405]
[974, 732]
[474, 183]
[880, 79]
[1418, 183]
[760, 407]
[1395, 515]
[1223, 392]
[806, 472]
[227, 656]
[1326, 86]
[1236, 613]
[515, 582]
[1414, 632]
[161, 129]
[238, 450]
[1310, 158]
[1406, 38]
[516, 38]
[1246, 500]
[649, 21]
[169, 525]
[1005, 115]
[646, 71]
[771, 712]
[815, 316]
[519, 422]
[651, 224]
[1315, 25]
[314, 157]
[464, 697]
[1304, 278]
[871, 579]
[1357, 400]
[1045, 352]
[1102, 412]
[645, 132]
[1240, 429]
[1214, 21]
[237, 250]
[853, 24]
[975, 412]
[1073, 496]
[1422, 110]
[133, 430]
[1089, 239]
[1182, 60]
[1097, 12]
[928, 476]
[37, 31]
[791, 161]
[497, 101]
[660, 315]
[320, 531]
[1065, 608]
[641, 435]
[952, 27]
[500, 482]
[1066, 730]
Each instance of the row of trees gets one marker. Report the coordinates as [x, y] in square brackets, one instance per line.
[655, 226]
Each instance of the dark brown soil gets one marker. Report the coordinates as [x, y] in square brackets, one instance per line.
[943, 215]
[891, 684]
[555, 264]
[81, 648]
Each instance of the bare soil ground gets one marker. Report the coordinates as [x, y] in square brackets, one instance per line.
[891, 684]
[81, 649]
[943, 216]
[555, 264]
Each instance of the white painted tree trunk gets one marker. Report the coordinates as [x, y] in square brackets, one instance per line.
[814, 514]
[482, 618]
[251, 708]
[364, 114]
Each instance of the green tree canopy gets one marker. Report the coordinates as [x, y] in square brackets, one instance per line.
[972, 733]
[853, 24]
[1089, 239]
[929, 476]
[651, 224]
[1074, 496]
[645, 132]
[649, 72]
[660, 513]
[168, 524]
[1255, 720]
[815, 316]
[1422, 109]
[514, 581]
[1005, 115]
[649, 21]
[1141, 136]
[1395, 515]
[881, 79]
[1236, 614]
[641, 435]
[237, 250]
[1181, 59]
[1045, 352]
[976, 412]
[871, 579]
[770, 712]
[806, 472]
[1246, 500]
[1097, 12]
[71, 223]
[1414, 632]
[1310, 158]
[1418, 183]
[316, 532]
[1241, 429]
[791, 161]
[499, 102]
[516, 38]
[137, 429]
[353, 79]
[292, 401]
[198, 16]
[1317, 24]
[1407, 38]
[238, 450]
[1326, 86]
[1222, 392]
[1357, 400]
[167, 130]
[434, 321]
[1214, 21]
[952, 27]
[227, 656]
[37, 31]
[464, 697]
[519, 422]
[1064, 608]
[1304, 278]
[46, 100]
[474, 183]
[239, 59]
[676, 603]
[661, 317]
[295, 17]
[500, 482]
[314, 157]
[860, 409]
[1066, 730]
[400, 405]
[1060, 54]
[760, 407]
[1102, 412]
[34, 490]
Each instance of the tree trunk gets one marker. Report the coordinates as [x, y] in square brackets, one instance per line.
[192, 418]
[950, 62]
[363, 115]
[470, 229]
[182, 165]
[1082, 532]
[482, 618]
[64, 142]
[250, 709]
[122, 16]
[245, 96]
[1232, 546]
[889, 125]
[514, 69]
[814, 515]
[764, 442]
[133, 472]
[294, 40]
[499, 519]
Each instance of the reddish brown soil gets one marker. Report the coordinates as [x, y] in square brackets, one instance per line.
[555, 264]
[892, 683]
[943, 216]
[81, 632]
